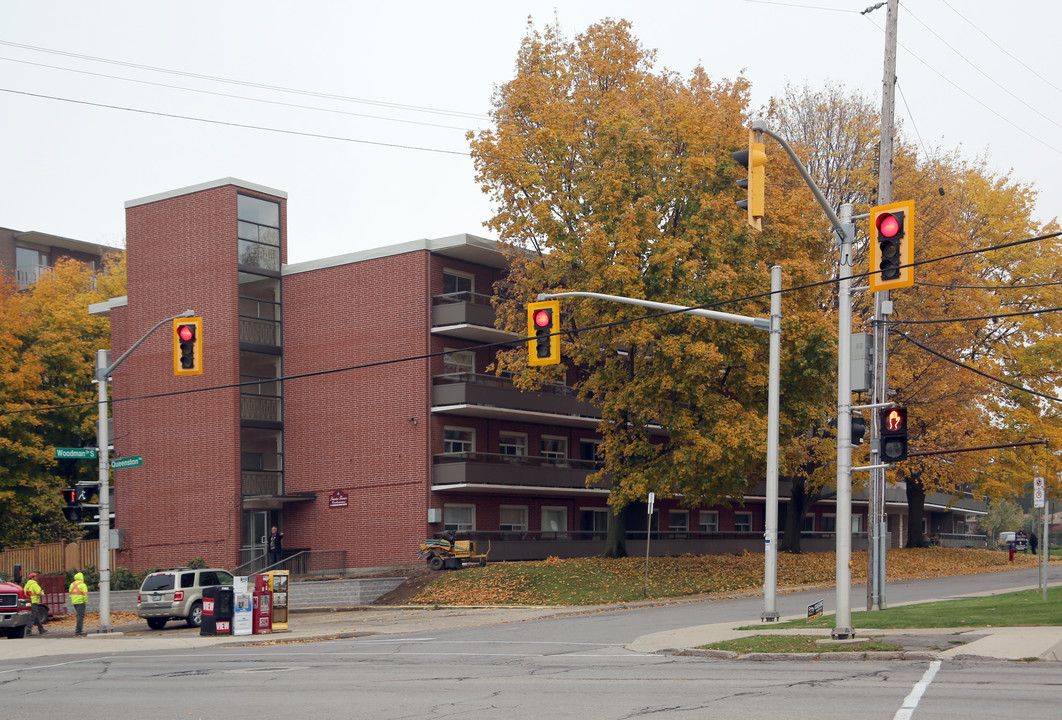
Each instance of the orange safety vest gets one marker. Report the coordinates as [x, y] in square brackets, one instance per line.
[78, 593]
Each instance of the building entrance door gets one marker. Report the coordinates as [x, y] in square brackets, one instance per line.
[254, 551]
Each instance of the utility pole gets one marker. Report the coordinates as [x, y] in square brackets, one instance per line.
[877, 530]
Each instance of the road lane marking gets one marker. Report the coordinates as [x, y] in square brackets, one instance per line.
[911, 701]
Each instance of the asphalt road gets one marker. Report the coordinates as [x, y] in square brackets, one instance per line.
[522, 664]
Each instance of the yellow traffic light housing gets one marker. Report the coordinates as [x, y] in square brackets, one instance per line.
[188, 346]
[755, 161]
[543, 331]
[892, 246]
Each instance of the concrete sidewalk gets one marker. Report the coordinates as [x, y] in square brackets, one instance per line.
[1004, 643]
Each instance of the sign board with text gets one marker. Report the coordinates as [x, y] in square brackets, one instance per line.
[75, 453]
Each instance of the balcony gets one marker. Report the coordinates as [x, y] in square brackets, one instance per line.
[27, 275]
[261, 482]
[466, 315]
[259, 331]
[489, 396]
[472, 471]
[260, 408]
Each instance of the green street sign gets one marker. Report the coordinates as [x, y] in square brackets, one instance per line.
[131, 461]
[75, 453]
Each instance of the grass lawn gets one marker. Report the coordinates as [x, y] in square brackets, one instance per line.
[1026, 608]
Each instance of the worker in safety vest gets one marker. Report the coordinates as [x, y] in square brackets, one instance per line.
[36, 593]
[78, 593]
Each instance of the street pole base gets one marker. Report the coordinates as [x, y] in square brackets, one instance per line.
[842, 634]
[769, 616]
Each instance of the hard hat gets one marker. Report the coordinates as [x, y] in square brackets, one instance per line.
[33, 575]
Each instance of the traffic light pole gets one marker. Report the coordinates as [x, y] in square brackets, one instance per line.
[104, 370]
[774, 326]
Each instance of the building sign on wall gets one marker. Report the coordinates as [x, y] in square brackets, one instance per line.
[337, 499]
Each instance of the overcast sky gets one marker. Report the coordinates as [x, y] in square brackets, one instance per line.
[358, 110]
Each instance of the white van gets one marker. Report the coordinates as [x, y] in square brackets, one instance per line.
[1019, 539]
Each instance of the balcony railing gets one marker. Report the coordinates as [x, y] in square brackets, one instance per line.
[490, 393]
[462, 308]
[260, 407]
[474, 468]
[262, 482]
[27, 275]
[259, 331]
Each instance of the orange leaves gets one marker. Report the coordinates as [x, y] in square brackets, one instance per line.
[591, 581]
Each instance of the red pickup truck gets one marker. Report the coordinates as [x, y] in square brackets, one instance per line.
[15, 609]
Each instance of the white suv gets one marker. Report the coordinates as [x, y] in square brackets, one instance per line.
[177, 594]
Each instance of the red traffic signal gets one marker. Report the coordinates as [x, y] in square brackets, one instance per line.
[543, 330]
[543, 318]
[893, 434]
[188, 346]
[892, 246]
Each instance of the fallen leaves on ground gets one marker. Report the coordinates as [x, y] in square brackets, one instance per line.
[92, 619]
[589, 581]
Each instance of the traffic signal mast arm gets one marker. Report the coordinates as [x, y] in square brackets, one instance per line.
[758, 323]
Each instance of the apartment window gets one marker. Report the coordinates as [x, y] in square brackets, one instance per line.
[30, 257]
[554, 519]
[512, 518]
[809, 524]
[258, 228]
[459, 440]
[461, 518]
[510, 443]
[857, 523]
[555, 449]
[457, 282]
[708, 521]
[743, 522]
[594, 520]
[456, 362]
[678, 521]
[590, 450]
[829, 523]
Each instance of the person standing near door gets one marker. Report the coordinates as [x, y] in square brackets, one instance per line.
[276, 547]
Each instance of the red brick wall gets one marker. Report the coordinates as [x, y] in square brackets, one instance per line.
[184, 502]
[351, 430]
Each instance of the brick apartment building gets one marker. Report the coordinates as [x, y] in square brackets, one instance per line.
[346, 401]
[29, 255]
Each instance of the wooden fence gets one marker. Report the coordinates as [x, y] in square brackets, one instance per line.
[52, 558]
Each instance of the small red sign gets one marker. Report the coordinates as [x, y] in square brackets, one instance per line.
[208, 606]
[338, 499]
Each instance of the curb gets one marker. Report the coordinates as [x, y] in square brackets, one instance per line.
[917, 655]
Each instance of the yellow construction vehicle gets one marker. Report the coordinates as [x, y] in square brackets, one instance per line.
[447, 552]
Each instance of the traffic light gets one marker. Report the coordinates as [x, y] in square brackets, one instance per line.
[755, 161]
[72, 511]
[859, 429]
[543, 324]
[188, 346]
[892, 246]
[893, 434]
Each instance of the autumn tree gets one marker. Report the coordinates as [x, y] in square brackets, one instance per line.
[47, 347]
[957, 321]
[609, 176]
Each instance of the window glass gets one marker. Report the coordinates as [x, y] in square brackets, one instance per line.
[512, 518]
[455, 283]
[829, 523]
[458, 440]
[510, 443]
[154, 583]
[188, 580]
[709, 521]
[742, 522]
[456, 362]
[590, 450]
[30, 257]
[207, 578]
[554, 448]
[258, 211]
[554, 519]
[678, 520]
[459, 517]
[593, 520]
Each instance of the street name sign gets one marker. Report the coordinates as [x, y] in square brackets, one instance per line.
[132, 461]
[75, 453]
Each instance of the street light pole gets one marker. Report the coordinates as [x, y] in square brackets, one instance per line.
[774, 326]
[104, 370]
